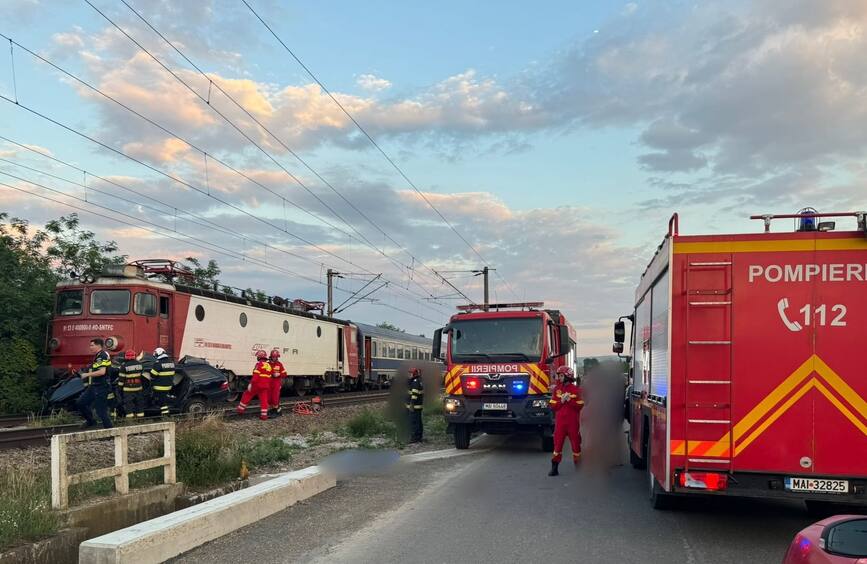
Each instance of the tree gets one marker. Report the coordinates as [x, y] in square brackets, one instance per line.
[204, 276]
[31, 264]
[387, 325]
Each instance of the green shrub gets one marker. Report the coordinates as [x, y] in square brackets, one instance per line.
[265, 451]
[206, 454]
[19, 390]
[369, 423]
[25, 506]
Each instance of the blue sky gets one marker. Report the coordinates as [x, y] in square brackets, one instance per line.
[558, 138]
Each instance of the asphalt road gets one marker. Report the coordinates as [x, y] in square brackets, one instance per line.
[499, 506]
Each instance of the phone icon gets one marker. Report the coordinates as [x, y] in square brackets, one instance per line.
[782, 306]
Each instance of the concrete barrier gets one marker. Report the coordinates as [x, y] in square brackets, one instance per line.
[165, 537]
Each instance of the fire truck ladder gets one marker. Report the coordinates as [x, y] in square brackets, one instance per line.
[708, 391]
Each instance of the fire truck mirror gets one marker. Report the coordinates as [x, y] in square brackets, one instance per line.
[565, 342]
[618, 348]
[437, 343]
[620, 333]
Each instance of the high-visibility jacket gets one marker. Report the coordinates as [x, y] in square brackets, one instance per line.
[101, 360]
[130, 377]
[262, 370]
[415, 394]
[162, 374]
[566, 403]
[277, 369]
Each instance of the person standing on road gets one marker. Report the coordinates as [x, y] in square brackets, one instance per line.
[260, 386]
[130, 383]
[415, 405]
[97, 386]
[566, 403]
[162, 379]
[278, 372]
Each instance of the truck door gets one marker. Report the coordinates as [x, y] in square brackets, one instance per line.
[164, 323]
[838, 315]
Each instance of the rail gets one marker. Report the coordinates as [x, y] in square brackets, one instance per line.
[61, 480]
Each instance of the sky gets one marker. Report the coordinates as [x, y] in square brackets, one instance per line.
[550, 142]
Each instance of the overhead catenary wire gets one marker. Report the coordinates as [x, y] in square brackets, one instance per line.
[200, 243]
[172, 177]
[371, 139]
[236, 127]
[211, 84]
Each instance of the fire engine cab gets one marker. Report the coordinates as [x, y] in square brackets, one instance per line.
[500, 360]
[746, 370]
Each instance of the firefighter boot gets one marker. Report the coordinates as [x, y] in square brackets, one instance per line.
[554, 471]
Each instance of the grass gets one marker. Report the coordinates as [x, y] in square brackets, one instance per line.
[25, 507]
[56, 417]
[265, 451]
[206, 454]
[369, 423]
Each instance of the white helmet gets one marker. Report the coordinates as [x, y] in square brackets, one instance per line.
[159, 351]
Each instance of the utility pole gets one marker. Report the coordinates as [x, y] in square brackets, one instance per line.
[331, 275]
[485, 275]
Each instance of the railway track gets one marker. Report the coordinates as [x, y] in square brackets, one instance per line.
[14, 435]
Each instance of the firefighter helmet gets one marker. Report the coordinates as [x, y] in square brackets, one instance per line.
[159, 351]
[413, 372]
[275, 353]
[261, 355]
[566, 373]
[129, 354]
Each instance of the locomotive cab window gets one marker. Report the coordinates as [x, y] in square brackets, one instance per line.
[145, 304]
[70, 302]
[109, 302]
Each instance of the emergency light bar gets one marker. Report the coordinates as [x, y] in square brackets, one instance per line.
[860, 215]
[473, 307]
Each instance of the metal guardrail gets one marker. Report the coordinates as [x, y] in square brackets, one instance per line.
[61, 480]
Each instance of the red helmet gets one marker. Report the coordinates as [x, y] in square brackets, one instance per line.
[275, 353]
[566, 373]
[414, 372]
[129, 354]
[261, 355]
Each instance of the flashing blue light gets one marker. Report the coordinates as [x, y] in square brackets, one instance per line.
[519, 387]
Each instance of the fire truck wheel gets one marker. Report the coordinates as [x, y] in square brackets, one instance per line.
[636, 461]
[462, 437]
[547, 444]
[658, 498]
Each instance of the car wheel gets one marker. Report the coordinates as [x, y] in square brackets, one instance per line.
[196, 406]
[462, 437]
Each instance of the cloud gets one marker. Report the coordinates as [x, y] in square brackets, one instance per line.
[372, 83]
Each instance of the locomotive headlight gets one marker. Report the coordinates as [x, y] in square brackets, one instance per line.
[54, 344]
[112, 343]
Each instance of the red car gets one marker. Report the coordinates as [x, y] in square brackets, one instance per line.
[841, 539]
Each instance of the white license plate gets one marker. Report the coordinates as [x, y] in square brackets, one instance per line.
[818, 485]
[497, 406]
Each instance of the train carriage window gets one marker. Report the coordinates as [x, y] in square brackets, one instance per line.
[145, 304]
[391, 351]
[373, 348]
[414, 353]
[164, 307]
[399, 352]
[242, 319]
[285, 326]
[109, 302]
[70, 302]
[200, 312]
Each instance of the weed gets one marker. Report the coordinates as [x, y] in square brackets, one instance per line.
[369, 423]
[56, 417]
[25, 506]
[265, 451]
[207, 454]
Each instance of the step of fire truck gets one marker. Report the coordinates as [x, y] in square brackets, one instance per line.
[708, 390]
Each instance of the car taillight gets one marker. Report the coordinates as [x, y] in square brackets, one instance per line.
[711, 481]
[472, 385]
[224, 386]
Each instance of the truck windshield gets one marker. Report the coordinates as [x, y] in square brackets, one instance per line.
[496, 340]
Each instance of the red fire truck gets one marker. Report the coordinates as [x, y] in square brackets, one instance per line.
[746, 376]
[500, 359]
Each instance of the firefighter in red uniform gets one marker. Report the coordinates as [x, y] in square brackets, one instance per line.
[278, 372]
[260, 386]
[566, 403]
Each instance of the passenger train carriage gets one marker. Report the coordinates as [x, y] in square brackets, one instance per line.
[145, 304]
